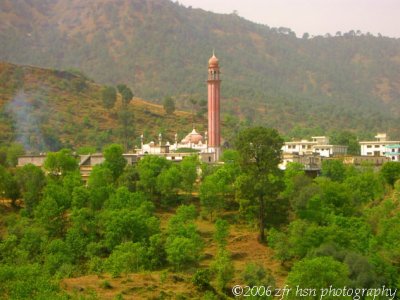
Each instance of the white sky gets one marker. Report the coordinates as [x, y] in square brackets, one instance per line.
[316, 17]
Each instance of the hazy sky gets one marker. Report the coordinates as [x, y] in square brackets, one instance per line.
[316, 17]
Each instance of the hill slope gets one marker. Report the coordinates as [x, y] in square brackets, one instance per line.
[48, 109]
[160, 48]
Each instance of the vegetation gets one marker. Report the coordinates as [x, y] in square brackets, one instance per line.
[303, 86]
[142, 221]
[83, 123]
[169, 105]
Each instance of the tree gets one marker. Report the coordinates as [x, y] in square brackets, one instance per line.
[221, 233]
[8, 186]
[100, 186]
[211, 195]
[318, 273]
[125, 115]
[127, 130]
[183, 244]
[348, 139]
[255, 274]
[259, 155]
[149, 168]
[126, 94]
[391, 172]
[223, 268]
[31, 181]
[169, 105]
[13, 151]
[61, 162]
[168, 182]
[334, 169]
[109, 96]
[188, 168]
[114, 160]
[125, 258]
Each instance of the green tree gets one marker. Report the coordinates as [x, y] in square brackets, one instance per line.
[182, 251]
[255, 274]
[61, 162]
[348, 139]
[333, 169]
[183, 244]
[109, 96]
[125, 115]
[31, 181]
[127, 130]
[129, 178]
[114, 159]
[318, 273]
[8, 186]
[217, 188]
[391, 172]
[13, 151]
[259, 155]
[169, 105]
[168, 182]
[149, 168]
[100, 186]
[221, 233]
[126, 94]
[126, 258]
[223, 268]
[188, 168]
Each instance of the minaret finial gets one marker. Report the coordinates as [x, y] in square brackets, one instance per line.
[213, 52]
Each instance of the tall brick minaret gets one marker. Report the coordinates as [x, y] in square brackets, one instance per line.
[214, 83]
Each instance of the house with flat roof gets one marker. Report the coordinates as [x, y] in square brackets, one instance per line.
[382, 146]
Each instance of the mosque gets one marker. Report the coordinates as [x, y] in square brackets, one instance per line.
[209, 145]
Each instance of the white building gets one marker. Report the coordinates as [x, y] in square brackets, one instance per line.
[381, 147]
[318, 145]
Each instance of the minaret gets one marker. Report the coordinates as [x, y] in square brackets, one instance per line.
[214, 83]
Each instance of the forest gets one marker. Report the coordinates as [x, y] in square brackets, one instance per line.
[339, 229]
[270, 77]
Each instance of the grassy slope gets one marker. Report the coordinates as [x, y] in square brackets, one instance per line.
[242, 243]
[75, 117]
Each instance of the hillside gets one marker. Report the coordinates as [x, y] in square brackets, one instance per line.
[49, 109]
[348, 81]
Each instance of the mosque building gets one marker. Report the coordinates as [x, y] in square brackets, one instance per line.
[209, 145]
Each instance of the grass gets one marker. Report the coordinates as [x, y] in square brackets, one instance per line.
[242, 243]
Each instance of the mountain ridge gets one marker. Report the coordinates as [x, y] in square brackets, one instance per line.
[47, 109]
[159, 48]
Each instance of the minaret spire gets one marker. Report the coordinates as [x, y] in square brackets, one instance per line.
[214, 83]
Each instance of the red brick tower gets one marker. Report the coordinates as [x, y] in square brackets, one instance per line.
[214, 83]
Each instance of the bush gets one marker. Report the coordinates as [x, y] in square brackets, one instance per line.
[106, 285]
[201, 279]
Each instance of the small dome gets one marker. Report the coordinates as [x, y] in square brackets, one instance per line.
[194, 137]
[213, 61]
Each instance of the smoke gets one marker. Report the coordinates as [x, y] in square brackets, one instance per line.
[26, 114]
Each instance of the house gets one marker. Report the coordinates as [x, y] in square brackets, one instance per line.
[382, 146]
[318, 145]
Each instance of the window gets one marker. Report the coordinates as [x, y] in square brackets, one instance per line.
[303, 146]
[369, 146]
[376, 146]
